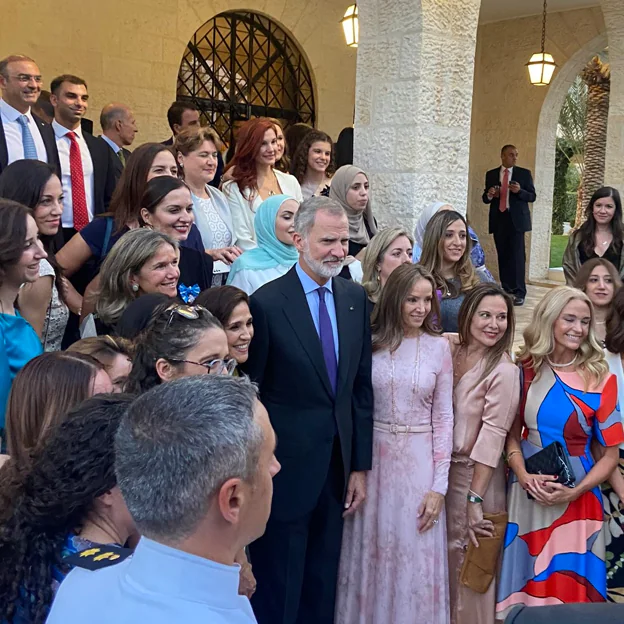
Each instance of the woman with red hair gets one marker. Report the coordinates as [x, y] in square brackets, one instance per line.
[254, 178]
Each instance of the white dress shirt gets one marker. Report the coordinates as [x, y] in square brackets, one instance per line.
[63, 145]
[502, 173]
[13, 133]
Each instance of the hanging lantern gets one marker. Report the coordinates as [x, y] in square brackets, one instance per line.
[351, 27]
[542, 65]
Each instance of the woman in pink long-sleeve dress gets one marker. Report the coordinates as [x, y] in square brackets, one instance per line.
[394, 566]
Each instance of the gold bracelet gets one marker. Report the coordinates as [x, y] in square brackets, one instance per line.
[512, 454]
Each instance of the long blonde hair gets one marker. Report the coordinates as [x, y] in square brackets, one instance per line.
[433, 253]
[380, 243]
[539, 341]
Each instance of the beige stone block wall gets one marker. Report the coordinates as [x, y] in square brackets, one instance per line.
[507, 108]
[130, 50]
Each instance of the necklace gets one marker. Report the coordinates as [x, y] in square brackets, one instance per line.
[415, 384]
[561, 365]
[600, 322]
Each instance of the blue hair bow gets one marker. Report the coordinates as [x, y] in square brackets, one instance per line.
[188, 294]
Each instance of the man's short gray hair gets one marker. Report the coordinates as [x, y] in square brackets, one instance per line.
[177, 445]
[306, 215]
[110, 114]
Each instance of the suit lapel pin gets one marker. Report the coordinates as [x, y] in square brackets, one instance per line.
[351, 308]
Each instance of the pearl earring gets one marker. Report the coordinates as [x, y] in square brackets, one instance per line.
[135, 287]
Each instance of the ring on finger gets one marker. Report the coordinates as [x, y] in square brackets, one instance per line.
[435, 522]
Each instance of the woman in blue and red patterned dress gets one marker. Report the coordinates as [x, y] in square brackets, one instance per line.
[554, 546]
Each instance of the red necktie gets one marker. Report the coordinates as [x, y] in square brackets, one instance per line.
[79, 197]
[502, 206]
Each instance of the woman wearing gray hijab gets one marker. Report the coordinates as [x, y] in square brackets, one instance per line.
[350, 187]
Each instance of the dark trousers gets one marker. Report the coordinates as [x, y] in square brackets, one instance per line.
[296, 563]
[511, 256]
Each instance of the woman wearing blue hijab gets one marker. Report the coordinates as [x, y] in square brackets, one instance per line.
[275, 254]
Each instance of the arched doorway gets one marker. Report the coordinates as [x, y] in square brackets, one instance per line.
[545, 155]
[241, 65]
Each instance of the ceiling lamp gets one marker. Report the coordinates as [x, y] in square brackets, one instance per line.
[542, 65]
[350, 26]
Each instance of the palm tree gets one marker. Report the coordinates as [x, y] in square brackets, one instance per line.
[597, 77]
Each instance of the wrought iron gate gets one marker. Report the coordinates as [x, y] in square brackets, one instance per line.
[241, 65]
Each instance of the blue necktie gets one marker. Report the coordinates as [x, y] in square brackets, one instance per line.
[326, 335]
[30, 150]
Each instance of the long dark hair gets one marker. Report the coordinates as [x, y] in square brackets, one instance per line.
[587, 231]
[125, 205]
[169, 336]
[299, 164]
[43, 503]
[13, 228]
[23, 181]
[156, 191]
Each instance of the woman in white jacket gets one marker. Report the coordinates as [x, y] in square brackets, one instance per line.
[254, 178]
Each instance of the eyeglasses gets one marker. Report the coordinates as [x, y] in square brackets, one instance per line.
[188, 312]
[215, 367]
[26, 78]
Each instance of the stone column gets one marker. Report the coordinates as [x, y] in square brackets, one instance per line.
[414, 84]
[613, 11]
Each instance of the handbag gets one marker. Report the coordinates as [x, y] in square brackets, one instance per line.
[552, 460]
[481, 564]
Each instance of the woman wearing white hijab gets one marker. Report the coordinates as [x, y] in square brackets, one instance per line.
[477, 255]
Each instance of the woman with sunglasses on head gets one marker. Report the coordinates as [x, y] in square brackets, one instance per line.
[183, 341]
[230, 306]
[600, 236]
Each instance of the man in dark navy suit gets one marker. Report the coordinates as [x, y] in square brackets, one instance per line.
[23, 134]
[509, 190]
[311, 357]
[118, 131]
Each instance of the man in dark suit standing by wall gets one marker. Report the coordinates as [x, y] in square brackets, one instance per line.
[87, 168]
[183, 115]
[509, 190]
[22, 134]
[311, 356]
[118, 131]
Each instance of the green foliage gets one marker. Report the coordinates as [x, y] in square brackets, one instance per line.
[557, 247]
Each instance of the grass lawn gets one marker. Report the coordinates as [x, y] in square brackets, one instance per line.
[557, 247]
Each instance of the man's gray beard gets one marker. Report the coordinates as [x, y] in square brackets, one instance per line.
[320, 268]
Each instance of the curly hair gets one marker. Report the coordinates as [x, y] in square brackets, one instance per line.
[299, 164]
[539, 341]
[243, 165]
[169, 336]
[432, 253]
[46, 502]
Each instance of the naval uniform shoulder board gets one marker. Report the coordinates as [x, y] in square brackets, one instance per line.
[99, 557]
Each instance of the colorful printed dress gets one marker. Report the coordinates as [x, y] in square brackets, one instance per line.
[556, 554]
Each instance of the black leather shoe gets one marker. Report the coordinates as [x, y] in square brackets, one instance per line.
[518, 301]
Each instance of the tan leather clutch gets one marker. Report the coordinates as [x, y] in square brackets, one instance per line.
[481, 564]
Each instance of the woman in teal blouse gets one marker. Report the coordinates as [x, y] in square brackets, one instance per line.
[20, 254]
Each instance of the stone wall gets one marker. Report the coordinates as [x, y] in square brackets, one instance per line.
[506, 108]
[130, 50]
